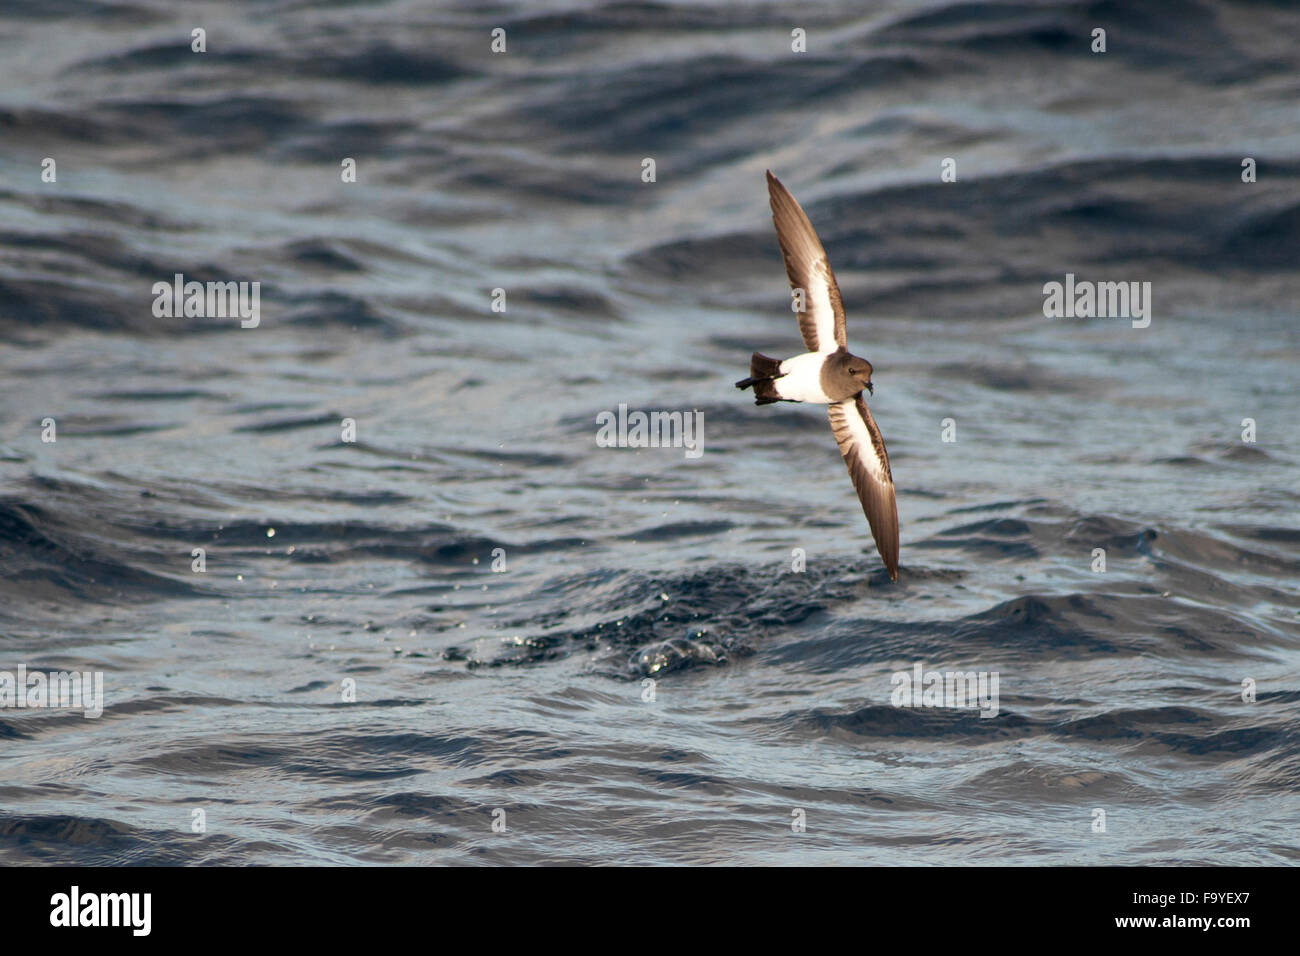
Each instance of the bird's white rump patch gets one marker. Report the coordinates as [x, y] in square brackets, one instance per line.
[801, 379]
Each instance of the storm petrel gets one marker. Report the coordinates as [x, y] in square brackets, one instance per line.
[828, 373]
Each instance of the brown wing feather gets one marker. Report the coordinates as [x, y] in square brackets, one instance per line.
[807, 268]
[863, 450]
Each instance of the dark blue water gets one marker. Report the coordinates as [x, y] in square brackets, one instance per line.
[522, 689]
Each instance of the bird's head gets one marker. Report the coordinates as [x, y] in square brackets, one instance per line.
[860, 369]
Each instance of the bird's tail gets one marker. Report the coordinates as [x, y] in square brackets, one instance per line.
[762, 372]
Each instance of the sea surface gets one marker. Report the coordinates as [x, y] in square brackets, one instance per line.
[567, 653]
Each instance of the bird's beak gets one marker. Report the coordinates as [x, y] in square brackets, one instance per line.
[871, 388]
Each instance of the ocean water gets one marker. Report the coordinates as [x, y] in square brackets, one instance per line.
[561, 652]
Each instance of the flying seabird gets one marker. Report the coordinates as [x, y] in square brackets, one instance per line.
[828, 373]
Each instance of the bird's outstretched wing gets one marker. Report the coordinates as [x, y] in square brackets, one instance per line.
[864, 453]
[822, 320]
